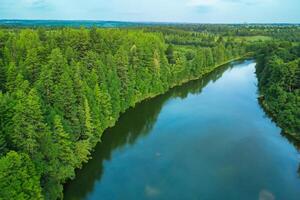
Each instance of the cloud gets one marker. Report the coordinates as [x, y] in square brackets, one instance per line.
[37, 4]
[217, 3]
[232, 9]
[24, 4]
[202, 11]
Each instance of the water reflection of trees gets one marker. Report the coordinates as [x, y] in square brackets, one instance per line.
[132, 125]
[294, 142]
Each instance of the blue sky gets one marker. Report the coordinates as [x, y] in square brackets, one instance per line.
[201, 11]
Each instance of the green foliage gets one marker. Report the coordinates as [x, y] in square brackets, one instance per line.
[61, 88]
[32, 64]
[28, 127]
[64, 147]
[278, 75]
[170, 55]
[18, 178]
[3, 144]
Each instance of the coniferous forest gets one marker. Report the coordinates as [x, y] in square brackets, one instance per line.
[62, 87]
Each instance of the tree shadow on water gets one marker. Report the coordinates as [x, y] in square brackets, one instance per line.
[134, 124]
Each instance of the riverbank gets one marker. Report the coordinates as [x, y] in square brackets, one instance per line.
[278, 84]
[247, 56]
[273, 116]
[173, 86]
[207, 135]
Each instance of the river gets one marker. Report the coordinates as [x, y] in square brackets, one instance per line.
[207, 139]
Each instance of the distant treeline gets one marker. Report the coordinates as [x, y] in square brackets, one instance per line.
[61, 88]
[286, 32]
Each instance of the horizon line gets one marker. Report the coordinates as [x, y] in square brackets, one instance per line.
[147, 22]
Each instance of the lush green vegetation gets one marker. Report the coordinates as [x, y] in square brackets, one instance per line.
[61, 88]
[286, 32]
[278, 72]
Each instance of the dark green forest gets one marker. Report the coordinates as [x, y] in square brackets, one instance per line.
[278, 72]
[62, 87]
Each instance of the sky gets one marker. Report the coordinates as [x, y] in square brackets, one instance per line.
[196, 11]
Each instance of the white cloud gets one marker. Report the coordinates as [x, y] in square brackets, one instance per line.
[213, 11]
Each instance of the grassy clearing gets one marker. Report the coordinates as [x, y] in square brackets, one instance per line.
[254, 38]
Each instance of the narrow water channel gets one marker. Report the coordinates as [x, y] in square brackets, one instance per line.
[208, 139]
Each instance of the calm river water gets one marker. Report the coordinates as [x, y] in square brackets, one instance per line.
[208, 139]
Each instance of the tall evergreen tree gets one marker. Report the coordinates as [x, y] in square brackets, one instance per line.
[88, 131]
[65, 154]
[121, 58]
[32, 65]
[3, 143]
[2, 75]
[11, 75]
[18, 178]
[29, 128]
[103, 102]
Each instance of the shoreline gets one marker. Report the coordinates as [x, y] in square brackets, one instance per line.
[245, 57]
[290, 136]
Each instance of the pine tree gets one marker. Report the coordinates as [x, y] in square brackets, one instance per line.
[45, 85]
[3, 144]
[88, 131]
[155, 70]
[18, 178]
[2, 75]
[103, 102]
[32, 65]
[65, 99]
[11, 75]
[209, 58]
[122, 70]
[64, 149]
[198, 63]
[62, 139]
[115, 86]
[29, 128]
[58, 64]
[79, 93]
[82, 152]
[81, 42]
[133, 57]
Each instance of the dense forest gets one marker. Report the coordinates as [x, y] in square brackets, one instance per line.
[278, 72]
[62, 87]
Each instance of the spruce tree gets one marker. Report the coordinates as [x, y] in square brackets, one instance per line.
[32, 65]
[29, 127]
[88, 131]
[103, 102]
[19, 178]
